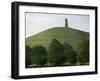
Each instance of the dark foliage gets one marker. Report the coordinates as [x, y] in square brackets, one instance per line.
[67, 46]
[28, 56]
[71, 56]
[56, 53]
[83, 56]
[39, 55]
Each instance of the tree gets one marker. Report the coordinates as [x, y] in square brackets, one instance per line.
[56, 53]
[28, 56]
[39, 55]
[71, 56]
[67, 46]
[83, 56]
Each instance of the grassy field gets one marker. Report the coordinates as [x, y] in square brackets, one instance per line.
[72, 36]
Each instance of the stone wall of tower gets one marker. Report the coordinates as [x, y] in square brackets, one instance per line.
[66, 23]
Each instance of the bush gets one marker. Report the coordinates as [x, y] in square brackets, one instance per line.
[56, 53]
[39, 55]
[28, 59]
[71, 56]
[67, 46]
[83, 56]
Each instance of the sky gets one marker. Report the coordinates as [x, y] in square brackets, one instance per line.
[38, 22]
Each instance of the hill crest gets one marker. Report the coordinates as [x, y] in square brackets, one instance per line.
[72, 36]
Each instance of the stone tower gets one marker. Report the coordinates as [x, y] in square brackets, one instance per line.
[66, 23]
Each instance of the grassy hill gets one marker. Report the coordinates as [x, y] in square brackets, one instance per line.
[72, 36]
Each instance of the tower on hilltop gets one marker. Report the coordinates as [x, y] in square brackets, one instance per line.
[66, 23]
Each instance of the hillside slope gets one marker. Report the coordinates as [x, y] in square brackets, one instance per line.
[72, 36]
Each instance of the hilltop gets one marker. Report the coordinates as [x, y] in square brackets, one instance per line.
[72, 36]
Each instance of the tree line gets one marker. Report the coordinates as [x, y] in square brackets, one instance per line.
[57, 54]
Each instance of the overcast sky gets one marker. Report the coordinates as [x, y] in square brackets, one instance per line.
[38, 22]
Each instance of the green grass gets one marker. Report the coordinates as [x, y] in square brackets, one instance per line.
[72, 36]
